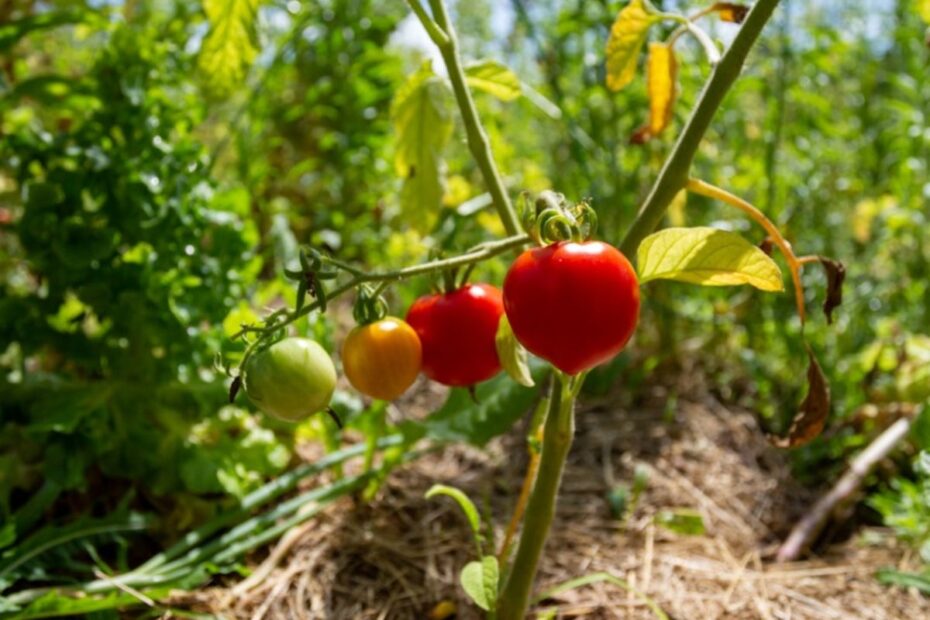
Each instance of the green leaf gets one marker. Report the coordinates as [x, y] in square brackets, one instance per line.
[905, 580]
[493, 78]
[512, 355]
[708, 257]
[423, 125]
[480, 581]
[468, 507]
[500, 403]
[681, 521]
[627, 36]
[230, 46]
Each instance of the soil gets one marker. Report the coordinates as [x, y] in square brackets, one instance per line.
[398, 557]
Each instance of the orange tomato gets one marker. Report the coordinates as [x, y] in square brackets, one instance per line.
[382, 359]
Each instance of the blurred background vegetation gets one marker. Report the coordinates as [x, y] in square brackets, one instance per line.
[161, 161]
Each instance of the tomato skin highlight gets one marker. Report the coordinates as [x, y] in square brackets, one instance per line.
[573, 304]
[291, 379]
[457, 330]
[382, 359]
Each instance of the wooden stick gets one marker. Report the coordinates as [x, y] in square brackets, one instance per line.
[843, 491]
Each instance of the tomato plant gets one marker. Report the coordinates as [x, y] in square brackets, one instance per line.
[457, 330]
[382, 359]
[291, 379]
[573, 304]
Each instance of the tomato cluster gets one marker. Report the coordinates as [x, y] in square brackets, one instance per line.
[573, 304]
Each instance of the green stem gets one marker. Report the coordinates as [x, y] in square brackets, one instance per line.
[557, 441]
[475, 255]
[478, 142]
[675, 172]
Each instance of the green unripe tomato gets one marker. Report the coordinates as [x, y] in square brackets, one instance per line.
[291, 379]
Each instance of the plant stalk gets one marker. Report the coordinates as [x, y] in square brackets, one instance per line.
[557, 441]
[674, 174]
[478, 142]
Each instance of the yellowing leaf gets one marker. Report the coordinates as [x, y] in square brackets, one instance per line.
[423, 126]
[661, 73]
[731, 11]
[706, 256]
[493, 78]
[627, 36]
[231, 45]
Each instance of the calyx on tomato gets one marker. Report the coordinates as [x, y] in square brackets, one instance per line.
[457, 331]
[573, 304]
[291, 379]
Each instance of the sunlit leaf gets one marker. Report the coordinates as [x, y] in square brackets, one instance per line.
[812, 414]
[231, 45]
[512, 355]
[493, 78]
[923, 9]
[423, 125]
[706, 256]
[731, 11]
[627, 36]
[480, 581]
[661, 74]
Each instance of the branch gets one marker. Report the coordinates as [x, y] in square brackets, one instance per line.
[478, 142]
[674, 174]
[843, 491]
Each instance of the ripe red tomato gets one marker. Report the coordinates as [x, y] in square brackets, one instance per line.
[457, 332]
[382, 359]
[573, 304]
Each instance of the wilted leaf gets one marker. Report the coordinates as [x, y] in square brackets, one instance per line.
[836, 274]
[493, 78]
[423, 125]
[513, 356]
[661, 74]
[706, 256]
[231, 45]
[627, 36]
[810, 419]
[480, 580]
[731, 11]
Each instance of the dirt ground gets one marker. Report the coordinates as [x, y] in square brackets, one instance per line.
[399, 557]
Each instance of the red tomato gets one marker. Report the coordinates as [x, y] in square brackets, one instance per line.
[573, 304]
[457, 331]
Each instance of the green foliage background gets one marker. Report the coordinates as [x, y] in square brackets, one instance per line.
[160, 163]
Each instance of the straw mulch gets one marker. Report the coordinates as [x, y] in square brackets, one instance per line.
[399, 556]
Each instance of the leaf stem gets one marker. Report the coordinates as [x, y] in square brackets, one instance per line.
[674, 174]
[557, 440]
[794, 265]
[477, 254]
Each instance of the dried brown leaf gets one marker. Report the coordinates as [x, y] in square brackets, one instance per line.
[812, 416]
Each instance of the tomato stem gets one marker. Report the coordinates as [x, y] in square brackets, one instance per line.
[557, 441]
[442, 33]
[674, 174]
